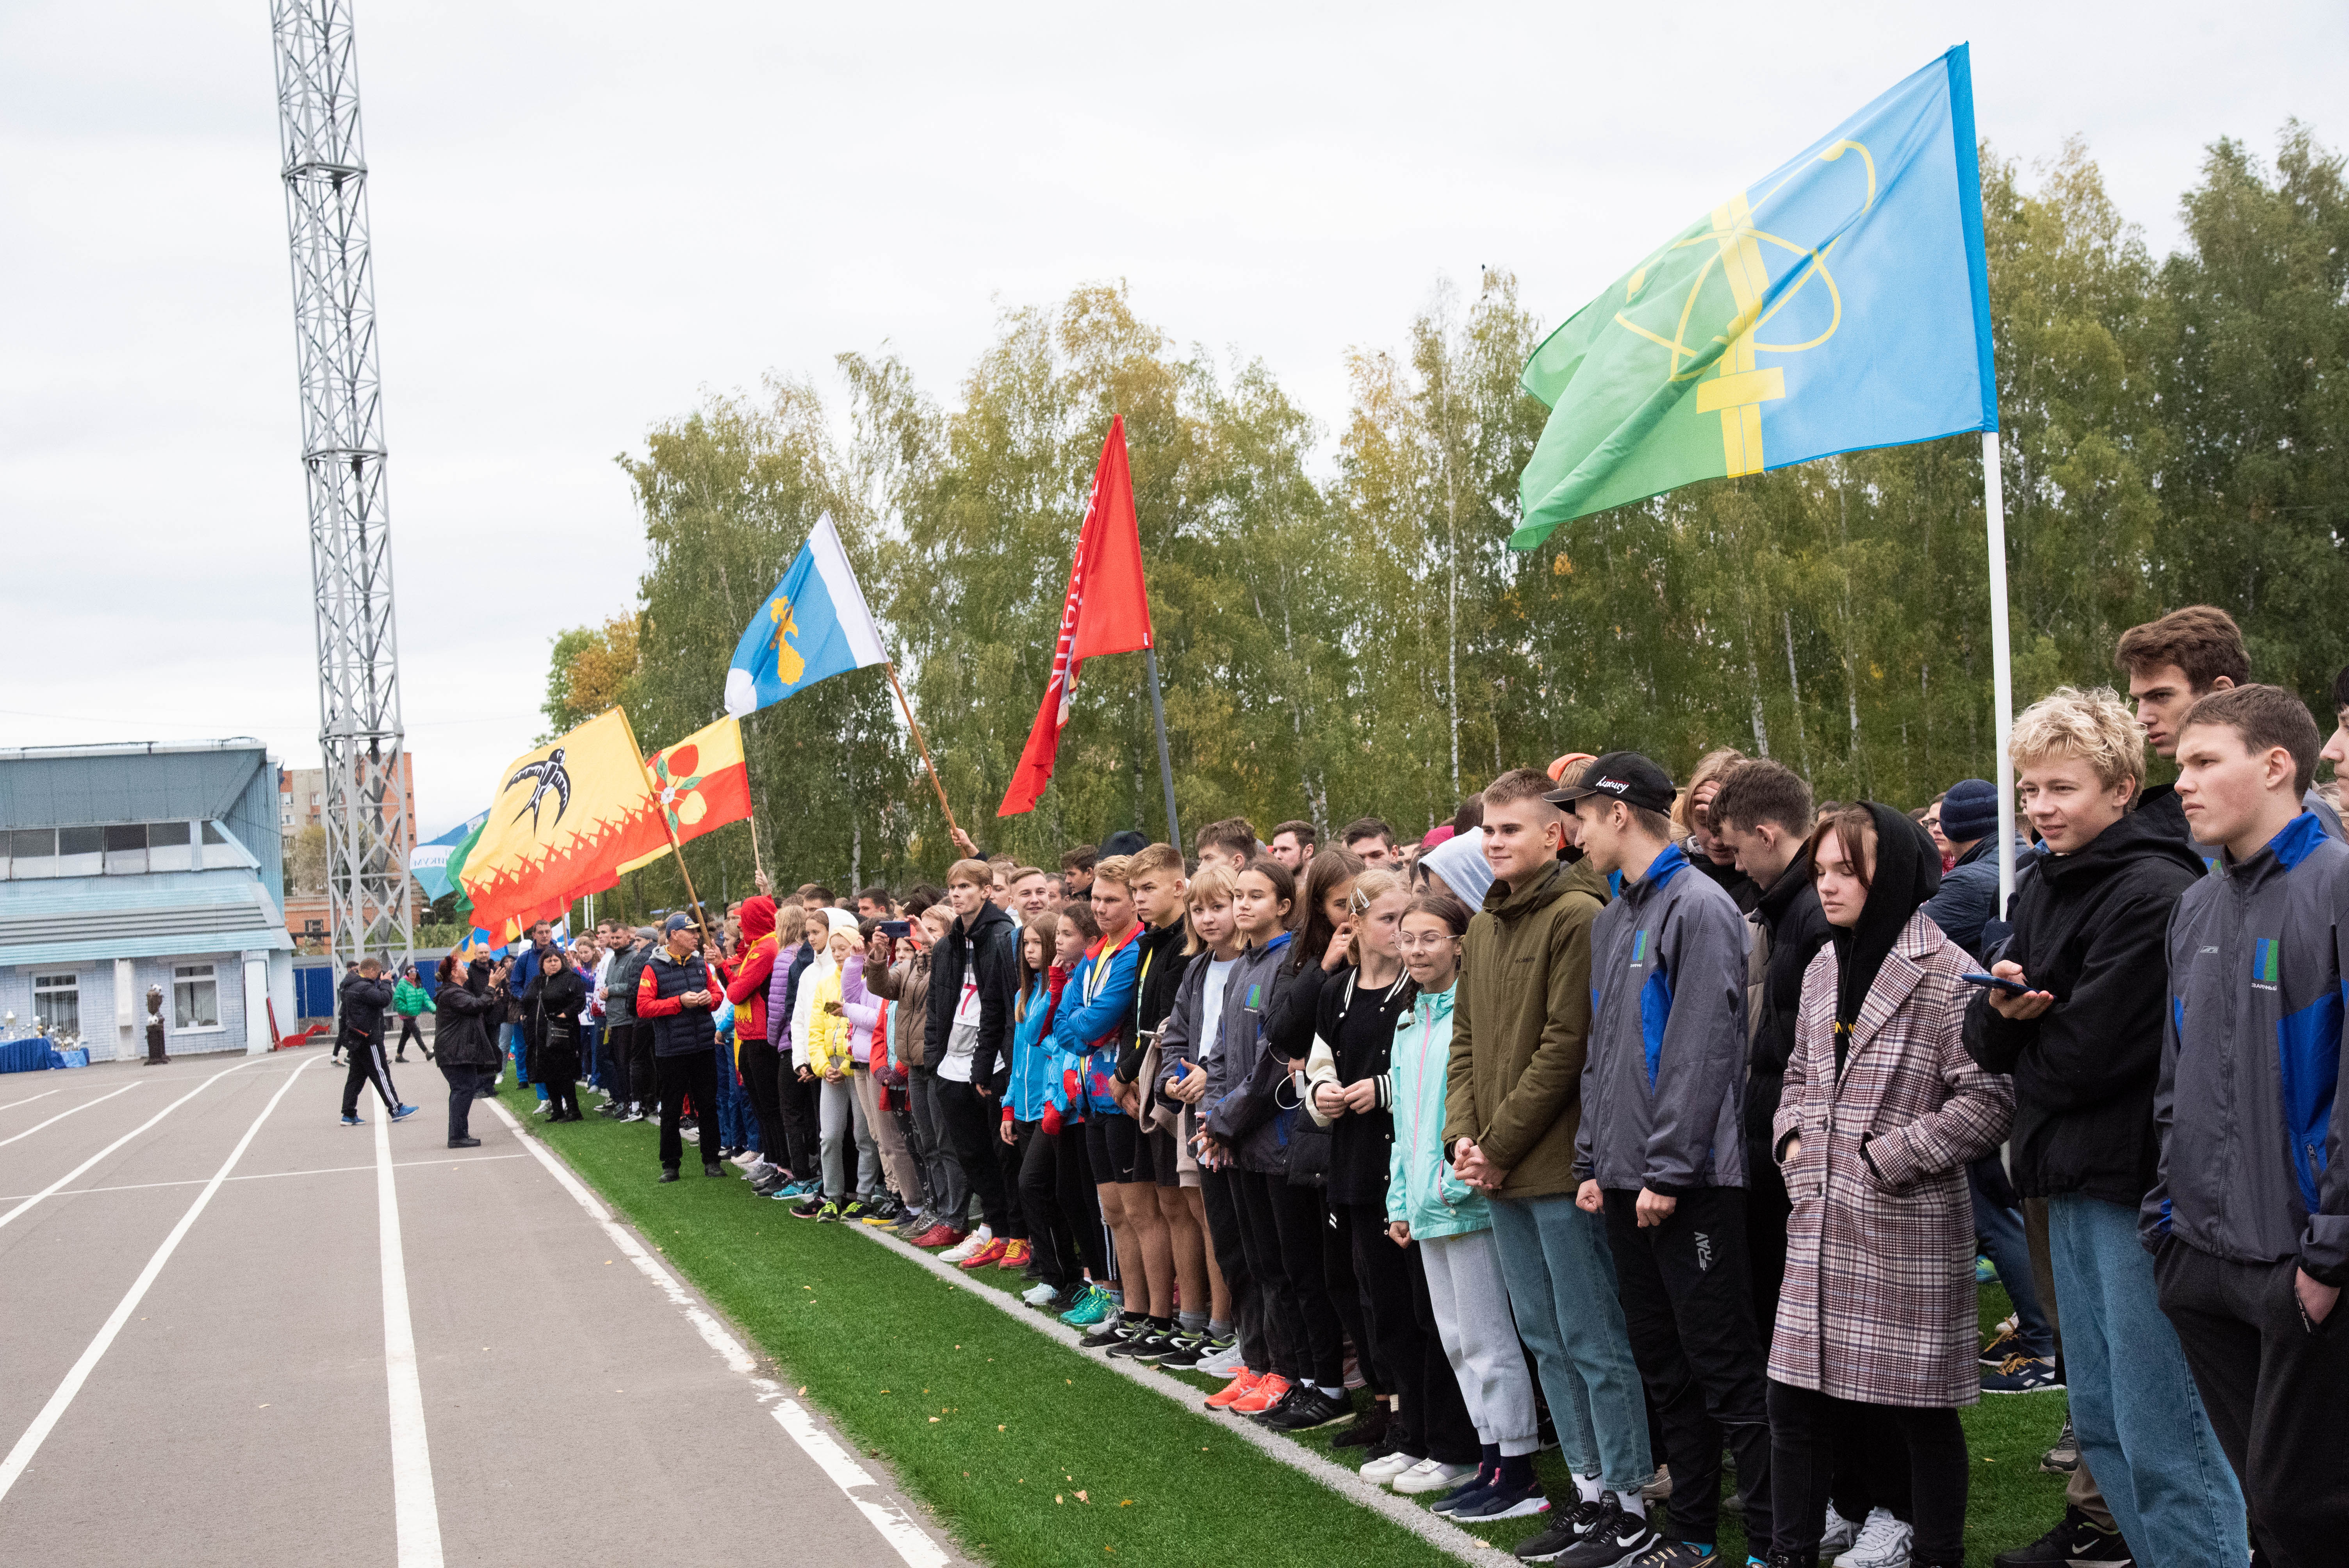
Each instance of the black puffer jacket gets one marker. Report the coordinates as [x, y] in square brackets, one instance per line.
[2091, 927]
[1788, 910]
[465, 1037]
[363, 1001]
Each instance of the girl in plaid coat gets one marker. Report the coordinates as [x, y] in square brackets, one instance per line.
[1882, 1112]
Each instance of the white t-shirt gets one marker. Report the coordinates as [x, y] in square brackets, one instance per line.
[962, 1036]
[1211, 1005]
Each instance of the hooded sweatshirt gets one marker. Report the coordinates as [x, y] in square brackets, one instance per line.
[1520, 1026]
[2091, 928]
[754, 970]
[1421, 1185]
[620, 983]
[1667, 1064]
[820, 1037]
[1794, 928]
[1094, 1011]
[2253, 1132]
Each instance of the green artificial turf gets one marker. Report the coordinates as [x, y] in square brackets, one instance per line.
[998, 1427]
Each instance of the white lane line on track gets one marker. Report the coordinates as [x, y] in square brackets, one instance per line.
[34, 1434]
[274, 1175]
[884, 1514]
[415, 1512]
[83, 1168]
[28, 1099]
[60, 1115]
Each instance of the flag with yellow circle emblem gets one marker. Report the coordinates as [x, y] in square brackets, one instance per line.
[701, 782]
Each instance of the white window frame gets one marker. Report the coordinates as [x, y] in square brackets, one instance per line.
[43, 985]
[184, 975]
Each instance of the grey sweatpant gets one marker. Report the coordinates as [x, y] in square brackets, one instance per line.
[838, 1112]
[1480, 1339]
[942, 1175]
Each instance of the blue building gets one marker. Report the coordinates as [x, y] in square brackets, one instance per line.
[148, 864]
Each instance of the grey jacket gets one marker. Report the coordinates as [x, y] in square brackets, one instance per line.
[620, 984]
[2254, 1163]
[1248, 991]
[1666, 1067]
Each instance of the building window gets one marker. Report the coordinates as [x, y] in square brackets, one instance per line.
[56, 1004]
[81, 851]
[126, 849]
[195, 996]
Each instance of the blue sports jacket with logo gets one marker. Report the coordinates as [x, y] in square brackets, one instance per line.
[1666, 1067]
[2249, 1124]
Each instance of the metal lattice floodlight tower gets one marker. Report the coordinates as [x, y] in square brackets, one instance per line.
[360, 736]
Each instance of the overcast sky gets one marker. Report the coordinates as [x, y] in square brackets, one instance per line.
[585, 214]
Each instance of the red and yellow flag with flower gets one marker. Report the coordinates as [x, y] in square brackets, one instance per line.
[701, 782]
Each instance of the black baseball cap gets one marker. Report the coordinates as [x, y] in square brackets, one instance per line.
[1624, 776]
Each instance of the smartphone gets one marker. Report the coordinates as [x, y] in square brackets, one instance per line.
[1997, 983]
[895, 930]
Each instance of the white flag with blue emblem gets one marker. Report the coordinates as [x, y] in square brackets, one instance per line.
[815, 625]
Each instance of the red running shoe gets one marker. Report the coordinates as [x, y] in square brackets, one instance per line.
[990, 1253]
[1016, 1255]
[1238, 1389]
[939, 1235]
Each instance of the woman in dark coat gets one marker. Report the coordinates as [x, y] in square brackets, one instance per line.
[552, 1004]
[1883, 1109]
[471, 1006]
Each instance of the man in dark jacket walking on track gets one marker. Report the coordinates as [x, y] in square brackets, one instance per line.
[679, 994]
[2084, 1046]
[364, 994]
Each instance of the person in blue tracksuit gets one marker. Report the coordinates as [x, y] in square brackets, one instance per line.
[2249, 1216]
[1662, 1148]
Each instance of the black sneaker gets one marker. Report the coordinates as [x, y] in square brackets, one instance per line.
[2022, 1375]
[1611, 1540]
[1184, 1351]
[2075, 1541]
[1116, 1331]
[1676, 1554]
[811, 1207]
[1502, 1500]
[1367, 1432]
[1147, 1345]
[2007, 1342]
[668, 1174]
[1303, 1408]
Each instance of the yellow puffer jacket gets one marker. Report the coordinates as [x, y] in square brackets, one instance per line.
[827, 1043]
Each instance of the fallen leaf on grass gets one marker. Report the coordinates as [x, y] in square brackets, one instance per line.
[1083, 1497]
[1127, 1502]
[999, 1425]
[803, 1389]
[934, 1420]
[1058, 1498]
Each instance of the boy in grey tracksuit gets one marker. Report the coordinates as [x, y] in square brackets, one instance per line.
[1662, 1148]
[2249, 1218]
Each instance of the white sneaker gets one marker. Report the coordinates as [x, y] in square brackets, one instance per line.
[1386, 1466]
[967, 1246]
[1883, 1543]
[750, 1158]
[1430, 1475]
[1838, 1533]
[1227, 1364]
[1041, 1294]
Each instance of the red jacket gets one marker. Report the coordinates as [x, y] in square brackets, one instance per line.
[747, 985]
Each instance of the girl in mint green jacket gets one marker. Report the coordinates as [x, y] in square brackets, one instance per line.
[1429, 1205]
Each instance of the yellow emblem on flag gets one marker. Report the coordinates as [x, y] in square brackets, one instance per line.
[789, 663]
[564, 818]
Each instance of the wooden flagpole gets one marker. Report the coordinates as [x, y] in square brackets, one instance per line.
[906, 708]
[652, 792]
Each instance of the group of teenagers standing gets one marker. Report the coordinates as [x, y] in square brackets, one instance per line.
[1661, 1103]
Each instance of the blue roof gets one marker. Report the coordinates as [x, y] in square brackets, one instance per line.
[233, 782]
[83, 920]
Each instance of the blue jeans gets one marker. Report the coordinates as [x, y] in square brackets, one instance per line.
[515, 1047]
[2135, 1409]
[1561, 1280]
[2000, 1227]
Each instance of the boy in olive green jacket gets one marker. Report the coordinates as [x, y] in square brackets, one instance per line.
[1520, 1028]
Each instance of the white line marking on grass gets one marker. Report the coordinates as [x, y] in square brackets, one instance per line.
[416, 1514]
[34, 1434]
[1432, 1528]
[274, 1175]
[28, 1099]
[60, 1115]
[884, 1514]
[83, 1168]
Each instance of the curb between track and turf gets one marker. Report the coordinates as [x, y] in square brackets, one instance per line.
[1432, 1528]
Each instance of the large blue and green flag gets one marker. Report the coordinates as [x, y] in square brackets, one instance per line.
[1838, 303]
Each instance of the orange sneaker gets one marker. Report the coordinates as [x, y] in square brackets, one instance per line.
[1263, 1397]
[1015, 1256]
[990, 1253]
[1238, 1389]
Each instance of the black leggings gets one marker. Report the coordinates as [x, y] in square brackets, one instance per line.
[1278, 1222]
[1431, 1416]
[408, 1031]
[1062, 1209]
[760, 1066]
[558, 1072]
[1804, 1424]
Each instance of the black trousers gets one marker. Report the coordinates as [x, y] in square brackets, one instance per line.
[1432, 1418]
[1011, 1160]
[558, 1073]
[368, 1066]
[970, 1120]
[795, 1106]
[1767, 1213]
[694, 1074]
[1346, 1296]
[1689, 1307]
[1062, 1208]
[465, 1086]
[1301, 1329]
[408, 1031]
[1807, 1429]
[1219, 1195]
[2275, 1385]
[760, 1062]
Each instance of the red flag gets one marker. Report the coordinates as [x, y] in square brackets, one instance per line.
[1107, 610]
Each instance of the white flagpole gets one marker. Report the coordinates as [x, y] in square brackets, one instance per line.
[2001, 665]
